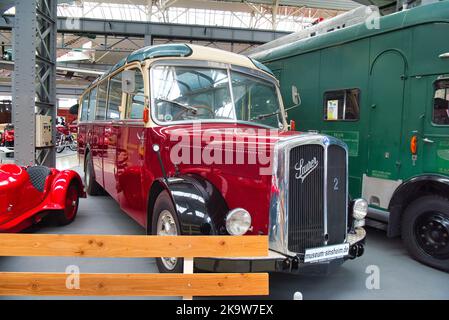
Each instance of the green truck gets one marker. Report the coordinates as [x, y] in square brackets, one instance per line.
[385, 92]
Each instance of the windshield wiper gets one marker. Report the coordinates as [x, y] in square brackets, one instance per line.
[192, 109]
[268, 115]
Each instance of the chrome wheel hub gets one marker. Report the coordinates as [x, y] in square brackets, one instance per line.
[166, 226]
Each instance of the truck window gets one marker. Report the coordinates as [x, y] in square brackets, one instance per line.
[92, 104]
[136, 101]
[115, 97]
[84, 107]
[441, 103]
[342, 105]
[100, 113]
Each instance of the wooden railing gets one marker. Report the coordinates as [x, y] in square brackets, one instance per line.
[185, 284]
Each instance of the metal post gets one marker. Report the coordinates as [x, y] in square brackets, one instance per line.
[23, 88]
[34, 78]
[46, 73]
[148, 40]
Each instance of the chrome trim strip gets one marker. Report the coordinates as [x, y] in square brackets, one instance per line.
[378, 214]
[278, 216]
[325, 193]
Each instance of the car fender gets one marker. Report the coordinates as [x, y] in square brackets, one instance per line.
[200, 207]
[59, 186]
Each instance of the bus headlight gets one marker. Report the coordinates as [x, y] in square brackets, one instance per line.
[360, 209]
[238, 222]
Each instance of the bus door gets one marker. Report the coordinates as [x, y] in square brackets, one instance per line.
[435, 139]
[130, 154]
[97, 145]
[111, 129]
[385, 101]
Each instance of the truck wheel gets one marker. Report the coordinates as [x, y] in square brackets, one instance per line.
[425, 231]
[71, 205]
[165, 223]
[92, 186]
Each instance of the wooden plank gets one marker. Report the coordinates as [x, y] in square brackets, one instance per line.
[124, 246]
[118, 284]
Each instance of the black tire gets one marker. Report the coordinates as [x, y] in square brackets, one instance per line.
[68, 215]
[9, 144]
[164, 203]
[92, 186]
[59, 143]
[425, 231]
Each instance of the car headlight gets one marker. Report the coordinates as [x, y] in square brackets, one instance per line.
[238, 222]
[360, 209]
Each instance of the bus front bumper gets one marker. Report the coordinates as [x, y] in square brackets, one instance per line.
[277, 262]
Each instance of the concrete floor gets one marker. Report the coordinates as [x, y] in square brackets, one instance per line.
[400, 276]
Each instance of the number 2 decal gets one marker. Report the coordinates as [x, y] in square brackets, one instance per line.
[335, 184]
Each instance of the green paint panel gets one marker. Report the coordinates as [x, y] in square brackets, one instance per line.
[351, 138]
[394, 68]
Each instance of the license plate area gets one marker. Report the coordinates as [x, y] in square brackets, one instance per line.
[326, 253]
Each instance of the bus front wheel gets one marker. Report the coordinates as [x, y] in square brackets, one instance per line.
[425, 231]
[165, 223]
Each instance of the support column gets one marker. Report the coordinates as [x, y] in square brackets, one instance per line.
[46, 73]
[148, 40]
[34, 78]
[23, 86]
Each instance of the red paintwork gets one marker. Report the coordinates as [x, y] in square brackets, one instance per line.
[7, 138]
[73, 126]
[126, 166]
[21, 204]
[63, 129]
[8, 135]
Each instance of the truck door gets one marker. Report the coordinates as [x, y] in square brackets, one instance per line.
[435, 140]
[386, 98]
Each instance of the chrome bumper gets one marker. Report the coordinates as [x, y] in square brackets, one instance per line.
[277, 262]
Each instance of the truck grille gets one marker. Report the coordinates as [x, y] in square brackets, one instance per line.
[307, 225]
[306, 199]
[336, 194]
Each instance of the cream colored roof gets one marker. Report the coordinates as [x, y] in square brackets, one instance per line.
[217, 55]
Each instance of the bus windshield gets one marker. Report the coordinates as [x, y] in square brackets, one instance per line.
[187, 94]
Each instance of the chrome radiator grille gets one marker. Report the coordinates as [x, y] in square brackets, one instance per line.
[306, 198]
[317, 203]
[308, 206]
[336, 194]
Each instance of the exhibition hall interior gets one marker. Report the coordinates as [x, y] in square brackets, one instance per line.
[224, 149]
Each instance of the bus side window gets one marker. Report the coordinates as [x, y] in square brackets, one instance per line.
[342, 105]
[100, 113]
[84, 107]
[115, 97]
[92, 104]
[136, 101]
[441, 103]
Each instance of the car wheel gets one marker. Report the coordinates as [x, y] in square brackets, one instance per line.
[165, 223]
[71, 205]
[425, 231]
[92, 186]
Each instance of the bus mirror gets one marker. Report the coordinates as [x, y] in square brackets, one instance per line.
[128, 81]
[296, 98]
[74, 109]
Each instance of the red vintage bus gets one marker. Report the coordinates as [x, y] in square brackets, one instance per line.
[194, 141]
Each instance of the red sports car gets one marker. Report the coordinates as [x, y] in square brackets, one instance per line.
[27, 194]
